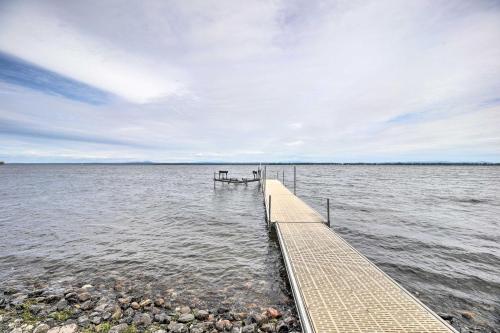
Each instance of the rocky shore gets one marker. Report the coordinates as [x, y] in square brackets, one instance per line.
[87, 308]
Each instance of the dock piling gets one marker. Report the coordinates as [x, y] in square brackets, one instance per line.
[294, 179]
[283, 176]
[328, 212]
[269, 219]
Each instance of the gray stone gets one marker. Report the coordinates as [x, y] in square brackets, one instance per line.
[72, 297]
[281, 327]
[186, 318]
[96, 320]
[269, 327]
[84, 297]
[87, 305]
[142, 319]
[118, 328]
[177, 327]
[202, 315]
[160, 331]
[61, 305]
[36, 308]
[185, 309]
[17, 330]
[196, 329]
[159, 302]
[83, 321]
[249, 328]
[223, 325]
[162, 318]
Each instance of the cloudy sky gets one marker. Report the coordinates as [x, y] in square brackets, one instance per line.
[181, 81]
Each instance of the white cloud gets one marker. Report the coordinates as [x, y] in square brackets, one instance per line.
[35, 35]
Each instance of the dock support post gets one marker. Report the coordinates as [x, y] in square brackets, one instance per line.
[277, 175]
[269, 219]
[283, 176]
[328, 212]
[294, 179]
[214, 180]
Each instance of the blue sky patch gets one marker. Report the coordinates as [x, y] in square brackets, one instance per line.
[16, 71]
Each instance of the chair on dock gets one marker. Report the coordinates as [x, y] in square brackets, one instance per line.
[223, 173]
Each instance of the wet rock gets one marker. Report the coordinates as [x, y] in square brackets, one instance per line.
[129, 312]
[467, 314]
[95, 318]
[145, 303]
[159, 302]
[196, 329]
[83, 321]
[61, 305]
[269, 327]
[175, 327]
[273, 313]
[162, 318]
[222, 310]
[36, 293]
[249, 328]
[84, 297]
[118, 328]
[142, 319]
[42, 328]
[281, 327]
[185, 318]
[185, 309]
[117, 314]
[135, 305]
[201, 314]
[87, 305]
[223, 325]
[71, 328]
[72, 297]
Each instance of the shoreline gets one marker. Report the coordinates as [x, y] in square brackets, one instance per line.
[88, 308]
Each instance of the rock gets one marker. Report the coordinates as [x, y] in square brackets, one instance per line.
[269, 327]
[186, 318]
[145, 303]
[95, 318]
[196, 329]
[249, 328]
[446, 316]
[117, 314]
[129, 312]
[83, 321]
[159, 302]
[162, 331]
[135, 305]
[177, 327]
[281, 327]
[53, 298]
[202, 314]
[239, 316]
[36, 308]
[124, 302]
[185, 309]
[70, 328]
[71, 297]
[222, 310]
[273, 313]
[18, 301]
[87, 305]
[223, 325]
[467, 314]
[142, 319]
[118, 328]
[42, 328]
[87, 287]
[162, 318]
[84, 297]
[61, 305]
[256, 318]
[17, 330]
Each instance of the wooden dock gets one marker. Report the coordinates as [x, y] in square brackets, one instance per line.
[337, 289]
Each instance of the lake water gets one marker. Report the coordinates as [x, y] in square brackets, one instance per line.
[434, 229]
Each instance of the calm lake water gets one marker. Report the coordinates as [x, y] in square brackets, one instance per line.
[434, 229]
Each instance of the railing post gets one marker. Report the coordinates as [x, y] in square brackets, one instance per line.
[269, 219]
[328, 212]
[294, 179]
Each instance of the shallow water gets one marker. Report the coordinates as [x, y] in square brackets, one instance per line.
[435, 229]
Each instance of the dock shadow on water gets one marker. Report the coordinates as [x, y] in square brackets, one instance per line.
[141, 232]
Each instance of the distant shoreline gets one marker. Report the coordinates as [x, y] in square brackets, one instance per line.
[268, 163]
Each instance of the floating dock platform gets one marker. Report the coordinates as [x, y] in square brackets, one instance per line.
[336, 288]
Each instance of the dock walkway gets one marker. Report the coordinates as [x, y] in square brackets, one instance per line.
[336, 288]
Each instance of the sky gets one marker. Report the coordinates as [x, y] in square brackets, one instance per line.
[249, 81]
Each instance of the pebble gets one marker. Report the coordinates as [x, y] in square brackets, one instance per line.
[84, 297]
[42, 328]
[135, 305]
[186, 318]
[467, 314]
[118, 328]
[145, 303]
[86, 305]
[185, 309]
[223, 325]
[269, 327]
[159, 302]
[177, 327]
[162, 318]
[273, 313]
[83, 321]
[202, 314]
[248, 328]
